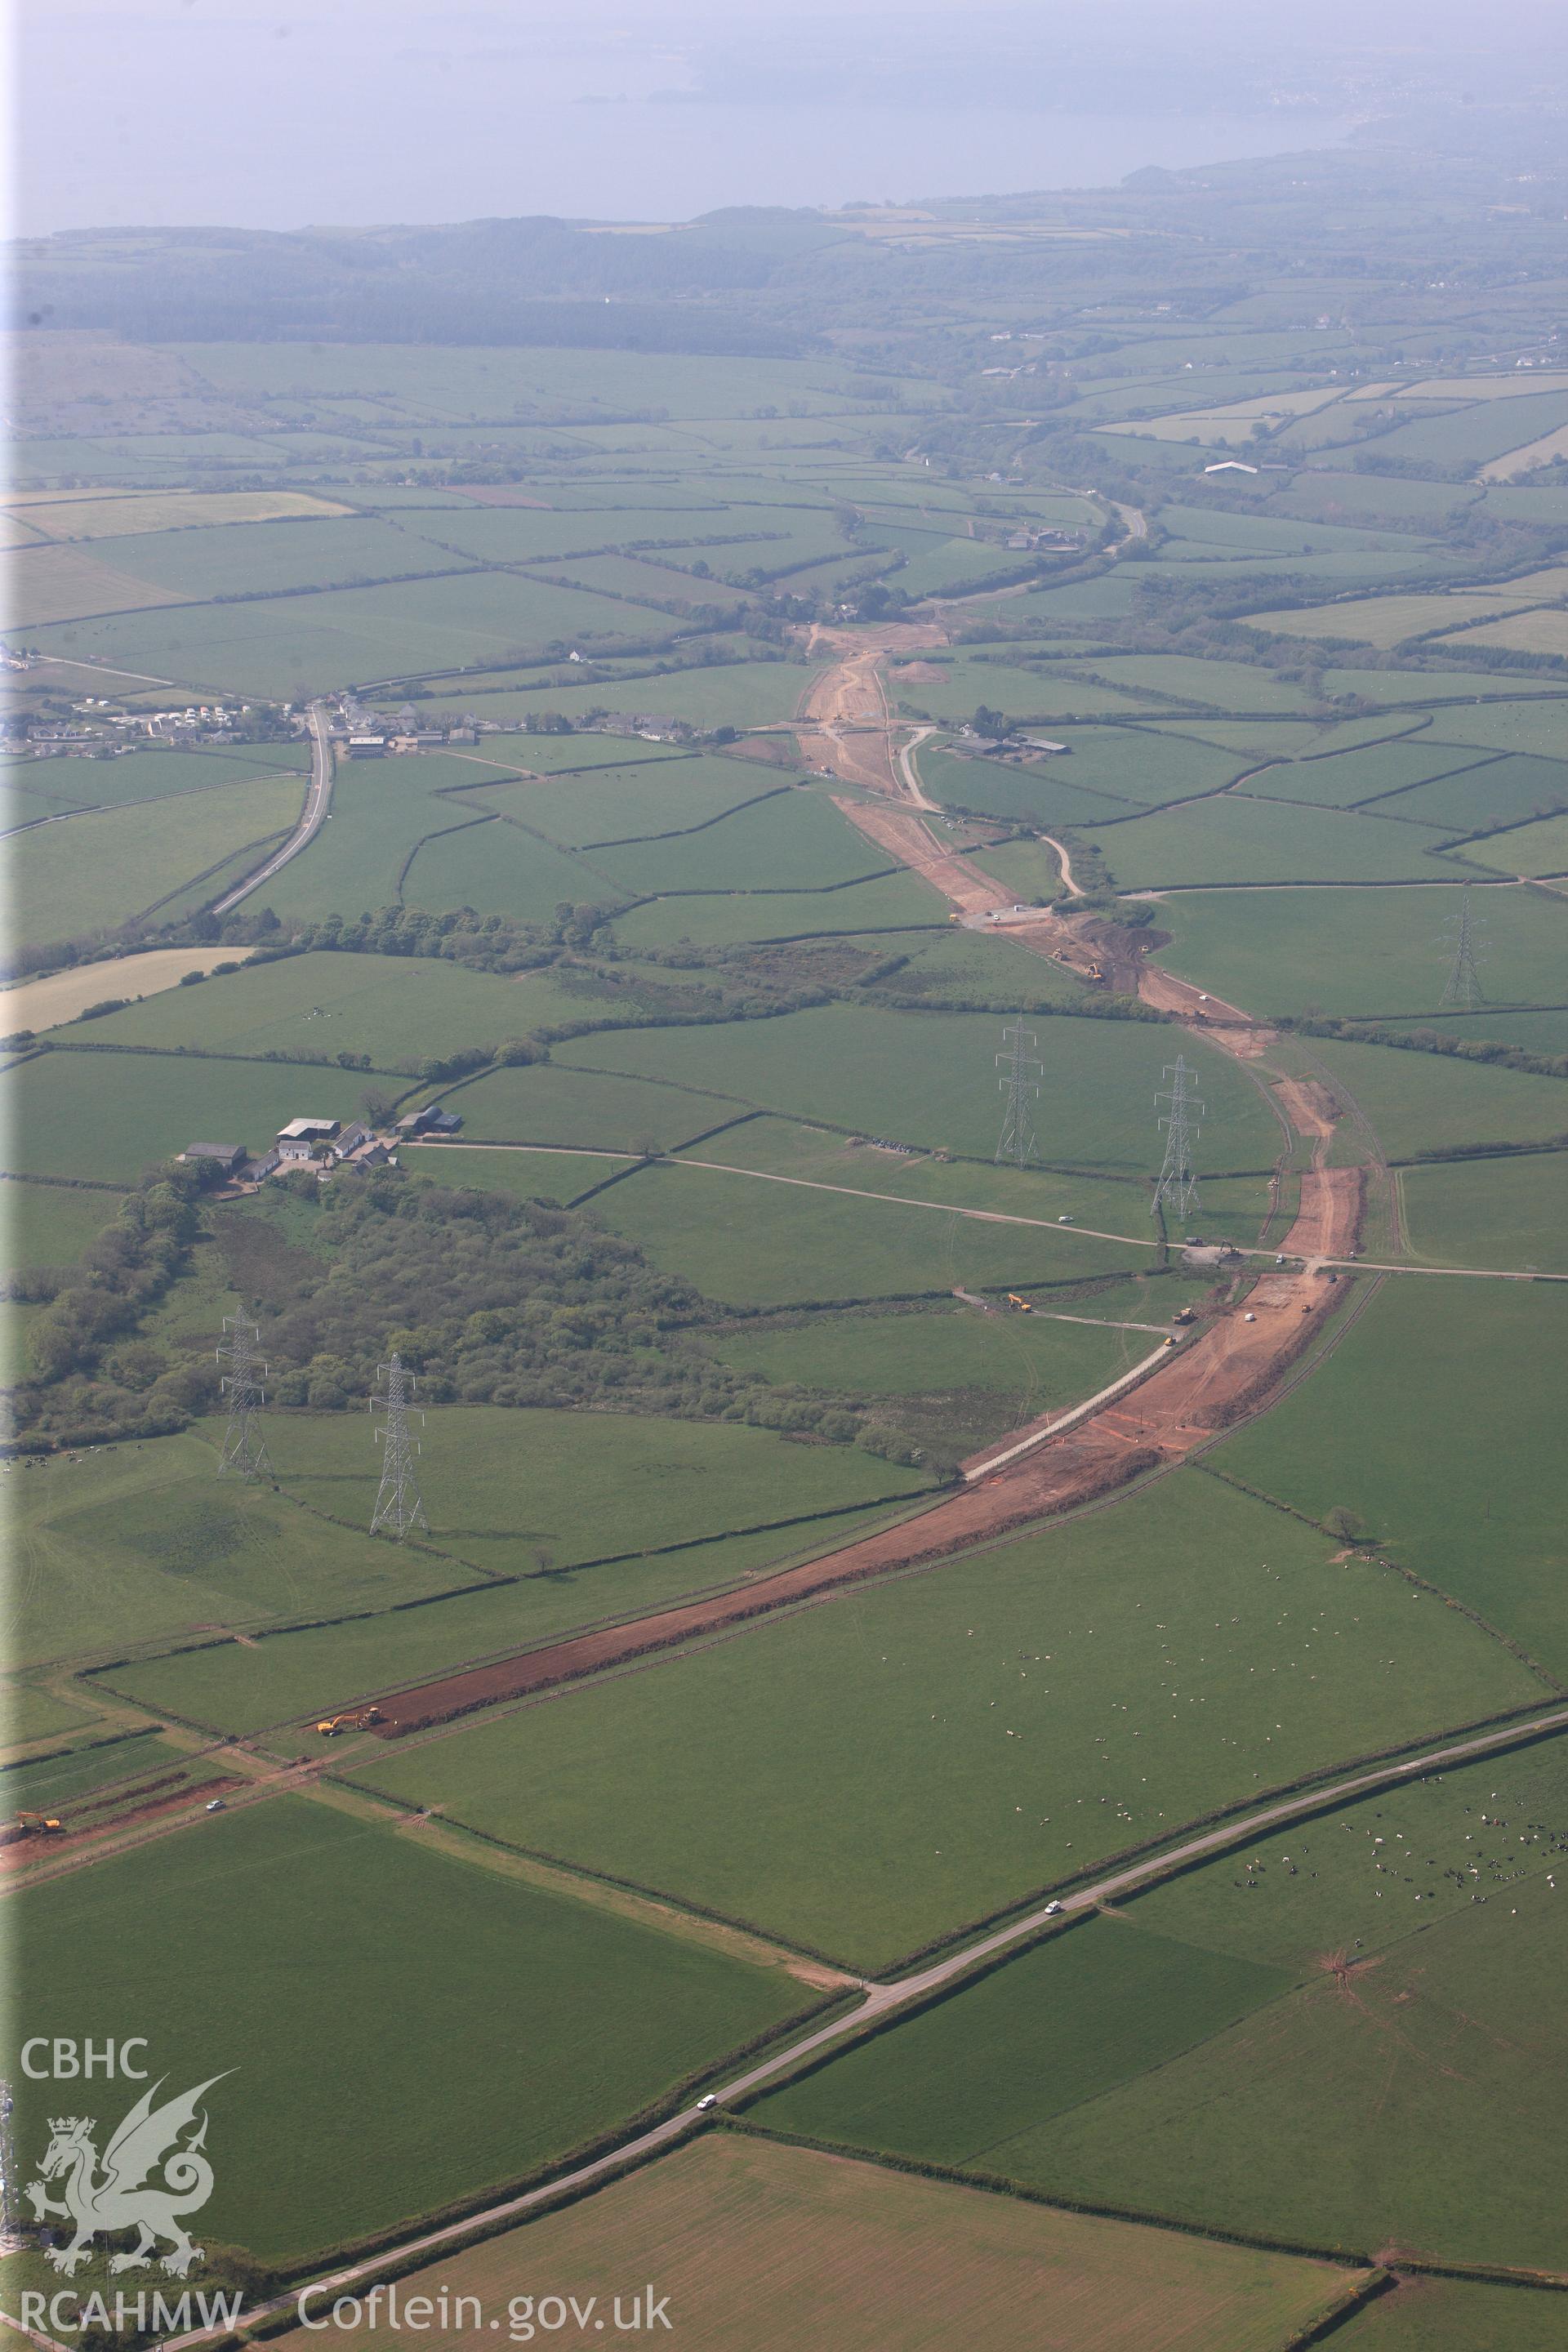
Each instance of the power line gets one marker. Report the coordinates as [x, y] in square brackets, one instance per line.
[398, 1507]
[1464, 989]
[1178, 1182]
[244, 1446]
[1016, 1142]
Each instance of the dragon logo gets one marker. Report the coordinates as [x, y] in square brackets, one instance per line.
[127, 2195]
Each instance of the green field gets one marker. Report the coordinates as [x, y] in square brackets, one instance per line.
[245, 1687]
[1107, 2053]
[751, 1243]
[1212, 685]
[931, 1078]
[636, 800]
[895, 902]
[48, 787]
[1035, 1364]
[1489, 1213]
[975, 2081]
[1385, 621]
[139, 1544]
[1130, 765]
[1452, 2041]
[1360, 952]
[551, 1103]
[396, 1009]
[792, 841]
[1537, 724]
[497, 867]
[970, 965]
[1420, 1102]
[862, 1801]
[1506, 790]
[50, 1224]
[245, 558]
[94, 871]
[1096, 1204]
[75, 1776]
[1240, 840]
[295, 646]
[1460, 1375]
[615, 2013]
[116, 1115]
[522, 1175]
[1344, 779]
[382, 810]
[1446, 2315]
[1530, 849]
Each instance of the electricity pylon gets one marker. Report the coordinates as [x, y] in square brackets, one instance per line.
[1016, 1142]
[1463, 992]
[1178, 1182]
[244, 1446]
[398, 1505]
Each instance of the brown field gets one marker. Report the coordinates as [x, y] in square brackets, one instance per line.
[116, 515]
[1533, 453]
[1542, 632]
[757, 2247]
[61, 996]
[65, 583]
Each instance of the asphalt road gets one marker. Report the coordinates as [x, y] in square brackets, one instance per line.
[902, 1993]
[317, 801]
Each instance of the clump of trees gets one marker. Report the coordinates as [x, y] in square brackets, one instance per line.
[92, 1375]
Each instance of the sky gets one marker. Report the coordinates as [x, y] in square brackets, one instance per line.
[205, 113]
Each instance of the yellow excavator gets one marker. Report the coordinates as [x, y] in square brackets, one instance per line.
[1022, 1304]
[360, 1719]
[37, 1825]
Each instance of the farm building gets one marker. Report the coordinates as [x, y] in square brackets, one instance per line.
[304, 1138]
[229, 1156]
[431, 1121]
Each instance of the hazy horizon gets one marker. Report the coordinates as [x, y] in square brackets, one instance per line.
[211, 112]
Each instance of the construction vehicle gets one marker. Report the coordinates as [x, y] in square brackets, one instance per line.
[38, 1824]
[1095, 971]
[1184, 1314]
[1022, 1304]
[361, 1719]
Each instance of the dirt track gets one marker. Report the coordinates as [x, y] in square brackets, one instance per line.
[1206, 1384]
[844, 724]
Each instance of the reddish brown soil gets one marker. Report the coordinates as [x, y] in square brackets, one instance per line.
[41, 1848]
[1232, 1366]
[1179, 1406]
[905, 834]
[844, 724]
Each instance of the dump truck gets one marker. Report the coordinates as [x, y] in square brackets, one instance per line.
[358, 1720]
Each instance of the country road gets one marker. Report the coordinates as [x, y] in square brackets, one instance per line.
[884, 2000]
[317, 801]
